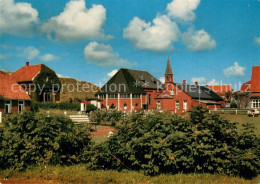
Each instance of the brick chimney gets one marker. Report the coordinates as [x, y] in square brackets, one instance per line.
[196, 83]
[27, 63]
[184, 81]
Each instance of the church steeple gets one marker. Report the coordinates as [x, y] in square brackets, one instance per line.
[168, 67]
[168, 73]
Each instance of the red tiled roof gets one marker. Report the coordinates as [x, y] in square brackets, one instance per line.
[255, 79]
[26, 73]
[220, 89]
[10, 90]
[246, 87]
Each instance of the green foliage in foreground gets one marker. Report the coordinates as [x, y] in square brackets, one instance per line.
[35, 106]
[163, 143]
[34, 139]
[78, 174]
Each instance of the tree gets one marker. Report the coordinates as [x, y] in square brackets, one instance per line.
[242, 99]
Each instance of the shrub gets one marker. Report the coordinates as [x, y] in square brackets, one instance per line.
[51, 105]
[164, 143]
[104, 116]
[32, 139]
[91, 107]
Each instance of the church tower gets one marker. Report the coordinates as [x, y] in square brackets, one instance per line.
[168, 73]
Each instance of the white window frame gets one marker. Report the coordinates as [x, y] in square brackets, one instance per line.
[177, 105]
[255, 103]
[185, 105]
[9, 106]
[159, 105]
[172, 92]
[22, 105]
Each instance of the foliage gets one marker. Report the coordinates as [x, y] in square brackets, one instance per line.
[90, 108]
[164, 143]
[33, 139]
[233, 105]
[35, 106]
[47, 80]
[242, 98]
[103, 116]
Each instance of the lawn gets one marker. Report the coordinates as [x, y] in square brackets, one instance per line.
[79, 174]
[242, 119]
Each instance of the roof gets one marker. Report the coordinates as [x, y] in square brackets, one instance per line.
[168, 67]
[246, 87]
[27, 73]
[199, 92]
[220, 89]
[10, 90]
[164, 96]
[255, 79]
[207, 101]
[129, 81]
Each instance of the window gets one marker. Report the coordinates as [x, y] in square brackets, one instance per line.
[8, 106]
[21, 105]
[167, 78]
[149, 98]
[185, 105]
[159, 105]
[255, 103]
[113, 96]
[172, 91]
[124, 95]
[177, 105]
[136, 96]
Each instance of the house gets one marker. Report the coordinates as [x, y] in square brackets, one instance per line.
[135, 89]
[39, 81]
[224, 91]
[13, 98]
[253, 86]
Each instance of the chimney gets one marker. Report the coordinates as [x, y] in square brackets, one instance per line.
[184, 81]
[27, 63]
[196, 83]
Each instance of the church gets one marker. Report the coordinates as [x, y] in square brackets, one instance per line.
[130, 90]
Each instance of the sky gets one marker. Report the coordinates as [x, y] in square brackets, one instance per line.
[209, 41]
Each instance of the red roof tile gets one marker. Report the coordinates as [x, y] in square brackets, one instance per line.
[221, 89]
[246, 87]
[255, 79]
[27, 73]
[9, 89]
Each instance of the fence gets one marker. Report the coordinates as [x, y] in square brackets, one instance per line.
[230, 111]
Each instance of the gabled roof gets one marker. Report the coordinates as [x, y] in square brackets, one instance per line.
[164, 96]
[246, 87]
[197, 92]
[220, 89]
[129, 81]
[168, 68]
[255, 79]
[27, 73]
[10, 90]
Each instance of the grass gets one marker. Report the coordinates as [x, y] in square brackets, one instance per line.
[79, 174]
[242, 119]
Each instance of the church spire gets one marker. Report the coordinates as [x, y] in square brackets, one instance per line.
[168, 70]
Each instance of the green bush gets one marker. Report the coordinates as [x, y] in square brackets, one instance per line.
[164, 143]
[91, 107]
[51, 105]
[104, 116]
[32, 139]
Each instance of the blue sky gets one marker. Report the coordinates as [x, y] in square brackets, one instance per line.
[213, 42]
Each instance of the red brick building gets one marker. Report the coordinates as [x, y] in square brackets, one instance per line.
[253, 86]
[13, 98]
[224, 91]
[134, 89]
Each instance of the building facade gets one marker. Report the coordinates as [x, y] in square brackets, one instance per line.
[130, 90]
[224, 91]
[13, 98]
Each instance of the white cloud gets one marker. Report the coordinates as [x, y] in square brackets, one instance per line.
[103, 55]
[156, 36]
[49, 57]
[183, 9]
[257, 40]
[213, 82]
[76, 22]
[17, 18]
[198, 40]
[112, 73]
[200, 80]
[235, 70]
[30, 53]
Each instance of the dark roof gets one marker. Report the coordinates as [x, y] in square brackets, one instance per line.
[129, 81]
[168, 67]
[197, 92]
